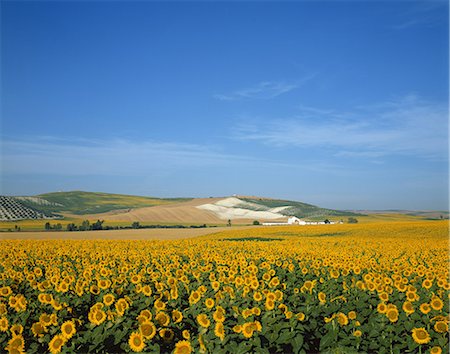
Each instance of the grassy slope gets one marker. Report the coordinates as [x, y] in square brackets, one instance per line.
[91, 203]
[299, 209]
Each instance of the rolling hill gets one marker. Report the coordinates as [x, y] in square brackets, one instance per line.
[83, 203]
[119, 207]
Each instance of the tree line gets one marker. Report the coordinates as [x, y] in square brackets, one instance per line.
[98, 225]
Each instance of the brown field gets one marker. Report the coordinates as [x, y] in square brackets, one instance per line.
[184, 213]
[140, 234]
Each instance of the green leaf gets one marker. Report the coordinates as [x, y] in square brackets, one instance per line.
[285, 337]
[243, 347]
[327, 340]
[297, 343]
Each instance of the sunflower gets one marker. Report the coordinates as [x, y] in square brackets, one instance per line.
[270, 304]
[219, 314]
[147, 314]
[12, 301]
[441, 327]
[147, 329]
[108, 299]
[270, 296]
[56, 344]
[38, 329]
[257, 326]
[309, 285]
[136, 278]
[136, 342]
[162, 318]
[334, 274]
[381, 307]
[215, 285]
[278, 295]
[300, 316]
[420, 335]
[5, 291]
[219, 331]
[177, 316]
[384, 296]
[68, 329]
[342, 319]
[166, 334]
[183, 347]
[247, 313]
[186, 334]
[427, 283]
[282, 307]
[436, 303]
[247, 329]
[98, 317]
[322, 298]
[194, 297]
[237, 328]
[159, 305]
[121, 305]
[352, 315]
[411, 296]
[16, 329]
[4, 324]
[392, 314]
[94, 289]
[357, 333]
[3, 309]
[425, 308]
[408, 307]
[209, 303]
[203, 320]
[147, 290]
[256, 311]
[436, 350]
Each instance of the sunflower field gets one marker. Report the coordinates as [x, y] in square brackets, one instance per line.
[375, 288]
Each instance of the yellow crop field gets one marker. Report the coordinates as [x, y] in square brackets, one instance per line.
[377, 287]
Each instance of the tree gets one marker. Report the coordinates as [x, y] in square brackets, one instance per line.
[98, 225]
[229, 222]
[352, 220]
[84, 225]
[48, 226]
[71, 227]
[135, 225]
[256, 222]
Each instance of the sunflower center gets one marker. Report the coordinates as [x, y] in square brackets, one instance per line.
[421, 335]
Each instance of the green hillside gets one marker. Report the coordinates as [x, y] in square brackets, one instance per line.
[80, 203]
[298, 209]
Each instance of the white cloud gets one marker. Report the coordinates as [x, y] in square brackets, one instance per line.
[408, 126]
[116, 157]
[263, 90]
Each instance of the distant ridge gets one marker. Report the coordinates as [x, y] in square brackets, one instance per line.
[121, 207]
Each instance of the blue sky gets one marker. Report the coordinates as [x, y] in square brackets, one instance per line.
[341, 104]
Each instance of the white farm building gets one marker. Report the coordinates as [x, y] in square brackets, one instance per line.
[293, 220]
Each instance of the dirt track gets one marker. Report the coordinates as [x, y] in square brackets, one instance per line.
[141, 234]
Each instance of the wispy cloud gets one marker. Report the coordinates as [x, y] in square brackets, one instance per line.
[115, 157]
[408, 126]
[424, 14]
[263, 90]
